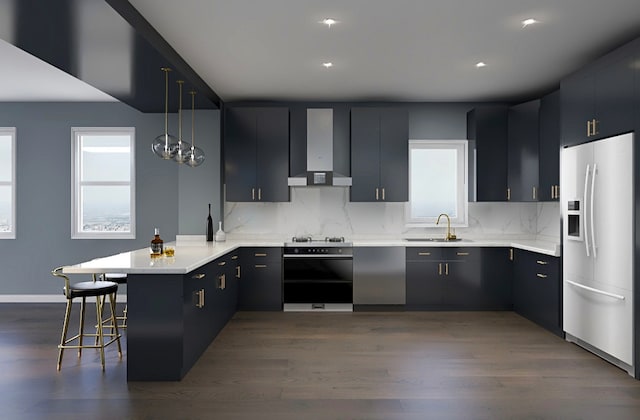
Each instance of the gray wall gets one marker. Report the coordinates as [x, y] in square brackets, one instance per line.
[165, 193]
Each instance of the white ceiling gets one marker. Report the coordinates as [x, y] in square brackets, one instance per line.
[409, 50]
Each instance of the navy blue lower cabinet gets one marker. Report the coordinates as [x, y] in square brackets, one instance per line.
[260, 285]
[537, 289]
[465, 278]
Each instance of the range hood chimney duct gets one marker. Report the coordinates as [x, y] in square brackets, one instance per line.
[319, 152]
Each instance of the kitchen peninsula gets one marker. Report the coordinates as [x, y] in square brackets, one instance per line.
[177, 305]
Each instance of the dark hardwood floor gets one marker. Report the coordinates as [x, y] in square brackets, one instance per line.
[367, 365]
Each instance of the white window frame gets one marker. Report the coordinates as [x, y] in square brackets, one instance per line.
[77, 183]
[11, 131]
[462, 187]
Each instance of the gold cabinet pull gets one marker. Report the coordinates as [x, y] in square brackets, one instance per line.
[238, 272]
[253, 194]
[462, 254]
[260, 266]
[235, 257]
[557, 191]
[222, 282]
[446, 269]
[542, 262]
[594, 127]
[424, 254]
[377, 196]
[511, 254]
[553, 191]
[198, 276]
[534, 193]
[221, 263]
[439, 269]
[508, 194]
[260, 254]
[259, 194]
[200, 298]
[542, 276]
[383, 199]
[588, 128]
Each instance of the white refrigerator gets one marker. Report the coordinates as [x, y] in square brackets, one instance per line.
[596, 200]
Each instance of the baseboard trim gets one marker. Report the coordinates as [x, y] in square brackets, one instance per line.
[47, 299]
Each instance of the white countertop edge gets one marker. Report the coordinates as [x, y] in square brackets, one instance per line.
[192, 255]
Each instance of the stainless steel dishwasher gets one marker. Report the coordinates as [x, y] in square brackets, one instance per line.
[379, 275]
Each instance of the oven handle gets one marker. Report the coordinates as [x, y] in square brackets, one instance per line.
[332, 256]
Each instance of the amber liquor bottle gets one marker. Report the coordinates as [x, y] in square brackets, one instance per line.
[157, 244]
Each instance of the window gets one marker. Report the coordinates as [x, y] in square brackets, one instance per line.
[437, 182]
[103, 198]
[7, 183]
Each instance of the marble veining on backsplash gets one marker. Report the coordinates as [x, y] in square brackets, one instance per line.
[326, 211]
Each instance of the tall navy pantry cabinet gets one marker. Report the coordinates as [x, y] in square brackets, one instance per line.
[256, 154]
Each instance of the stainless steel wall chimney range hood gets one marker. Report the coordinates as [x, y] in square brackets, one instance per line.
[319, 152]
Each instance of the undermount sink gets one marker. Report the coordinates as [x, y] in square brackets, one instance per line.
[434, 240]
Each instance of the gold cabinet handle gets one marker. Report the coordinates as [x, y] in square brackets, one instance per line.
[542, 262]
[424, 254]
[260, 254]
[542, 276]
[508, 194]
[377, 195]
[259, 194]
[222, 282]
[260, 266]
[446, 269]
[198, 276]
[221, 263]
[462, 254]
[235, 257]
[439, 269]
[238, 272]
[557, 191]
[253, 194]
[534, 193]
[199, 298]
[511, 254]
[594, 127]
[588, 128]
[383, 199]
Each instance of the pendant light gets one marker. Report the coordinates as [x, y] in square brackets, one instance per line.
[183, 147]
[195, 155]
[164, 146]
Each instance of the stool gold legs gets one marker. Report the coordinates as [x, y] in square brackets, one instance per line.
[99, 335]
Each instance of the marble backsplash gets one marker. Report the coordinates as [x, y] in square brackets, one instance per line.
[326, 211]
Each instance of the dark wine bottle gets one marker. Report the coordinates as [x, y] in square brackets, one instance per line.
[209, 226]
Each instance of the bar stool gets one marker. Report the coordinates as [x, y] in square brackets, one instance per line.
[120, 278]
[100, 290]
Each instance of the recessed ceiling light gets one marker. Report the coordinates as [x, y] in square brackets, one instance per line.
[481, 64]
[328, 64]
[528, 22]
[329, 21]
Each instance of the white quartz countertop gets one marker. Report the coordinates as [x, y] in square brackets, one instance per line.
[190, 255]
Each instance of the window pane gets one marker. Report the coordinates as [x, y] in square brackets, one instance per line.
[106, 158]
[5, 158]
[105, 209]
[5, 208]
[433, 182]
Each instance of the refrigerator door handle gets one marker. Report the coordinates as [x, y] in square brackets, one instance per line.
[591, 216]
[586, 190]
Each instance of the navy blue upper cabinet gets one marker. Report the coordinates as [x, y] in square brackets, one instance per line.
[549, 148]
[379, 154]
[523, 152]
[487, 126]
[598, 100]
[256, 154]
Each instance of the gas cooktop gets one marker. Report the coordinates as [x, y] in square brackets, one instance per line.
[308, 241]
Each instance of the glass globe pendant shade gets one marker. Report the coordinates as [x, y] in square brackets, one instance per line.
[165, 146]
[195, 157]
[182, 149]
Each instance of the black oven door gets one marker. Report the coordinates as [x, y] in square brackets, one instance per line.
[326, 279]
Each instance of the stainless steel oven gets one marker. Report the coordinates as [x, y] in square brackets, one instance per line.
[318, 275]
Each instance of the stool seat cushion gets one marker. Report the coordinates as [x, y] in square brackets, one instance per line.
[92, 288]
